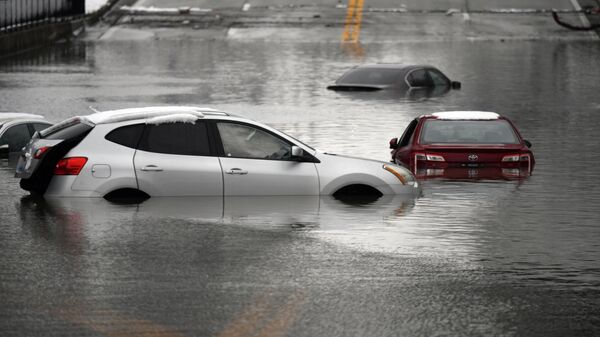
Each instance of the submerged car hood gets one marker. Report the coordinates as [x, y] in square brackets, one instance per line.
[322, 153]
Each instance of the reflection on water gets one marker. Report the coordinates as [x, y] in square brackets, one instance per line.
[541, 229]
[260, 212]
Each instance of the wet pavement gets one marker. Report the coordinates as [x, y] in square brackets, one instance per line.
[467, 258]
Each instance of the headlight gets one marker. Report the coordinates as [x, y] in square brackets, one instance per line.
[405, 177]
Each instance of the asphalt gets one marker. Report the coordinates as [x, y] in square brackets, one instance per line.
[332, 20]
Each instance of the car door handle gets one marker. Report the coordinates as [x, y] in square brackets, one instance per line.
[151, 168]
[237, 171]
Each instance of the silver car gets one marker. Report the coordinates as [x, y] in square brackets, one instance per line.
[16, 130]
[190, 151]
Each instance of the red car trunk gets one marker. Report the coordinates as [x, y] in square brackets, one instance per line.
[441, 143]
[481, 155]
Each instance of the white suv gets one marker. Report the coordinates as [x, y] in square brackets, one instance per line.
[190, 151]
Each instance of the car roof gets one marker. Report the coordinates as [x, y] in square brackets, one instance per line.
[10, 116]
[463, 115]
[157, 114]
[393, 66]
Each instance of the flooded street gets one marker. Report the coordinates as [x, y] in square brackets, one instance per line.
[466, 258]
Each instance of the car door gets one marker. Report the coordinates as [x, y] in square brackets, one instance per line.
[438, 78]
[258, 162]
[175, 159]
[419, 78]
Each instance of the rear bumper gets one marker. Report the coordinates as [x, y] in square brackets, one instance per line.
[523, 165]
[473, 173]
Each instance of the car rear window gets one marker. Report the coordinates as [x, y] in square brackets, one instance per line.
[375, 76]
[176, 138]
[126, 135]
[468, 132]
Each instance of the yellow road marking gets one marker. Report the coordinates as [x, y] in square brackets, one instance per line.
[113, 324]
[281, 323]
[262, 319]
[260, 316]
[248, 322]
[353, 21]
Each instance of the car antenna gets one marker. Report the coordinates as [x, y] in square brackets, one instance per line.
[93, 109]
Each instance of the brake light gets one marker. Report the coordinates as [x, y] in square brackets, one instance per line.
[513, 158]
[70, 166]
[429, 157]
[40, 152]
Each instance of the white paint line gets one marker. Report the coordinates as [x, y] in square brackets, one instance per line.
[109, 33]
[583, 18]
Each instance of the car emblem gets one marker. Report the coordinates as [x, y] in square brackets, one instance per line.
[473, 157]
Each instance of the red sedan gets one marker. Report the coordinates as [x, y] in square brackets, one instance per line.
[463, 145]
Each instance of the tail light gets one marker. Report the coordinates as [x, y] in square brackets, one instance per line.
[40, 152]
[428, 157]
[70, 166]
[513, 158]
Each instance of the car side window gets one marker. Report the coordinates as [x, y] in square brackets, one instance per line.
[419, 78]
[128, 135]
[16, 137]
[408, 132]
[438, 78]
[245, 141]
[176, 138]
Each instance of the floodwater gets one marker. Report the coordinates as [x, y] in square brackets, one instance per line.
[502, 258]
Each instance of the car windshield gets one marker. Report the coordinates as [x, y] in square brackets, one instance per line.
[497, 131]
[373, 76]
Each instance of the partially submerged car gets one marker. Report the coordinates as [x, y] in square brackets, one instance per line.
[16, 129]
[190, 151]
[463, 145]
[374, 77]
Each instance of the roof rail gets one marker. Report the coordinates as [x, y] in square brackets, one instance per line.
[121, 115]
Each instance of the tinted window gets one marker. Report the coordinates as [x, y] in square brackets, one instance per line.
[126, 135]
[381, 76]
[468, 132]
[244, 141]
[419, 78]
[438, 78]
[16, 137]
[176, 138]
[68, 132]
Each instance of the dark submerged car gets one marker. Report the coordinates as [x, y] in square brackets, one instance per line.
[375, 77]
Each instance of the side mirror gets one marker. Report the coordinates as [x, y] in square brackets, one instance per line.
[4, 151]
[528, 143]
[394, 143]
[455, 84]
[297, 151]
